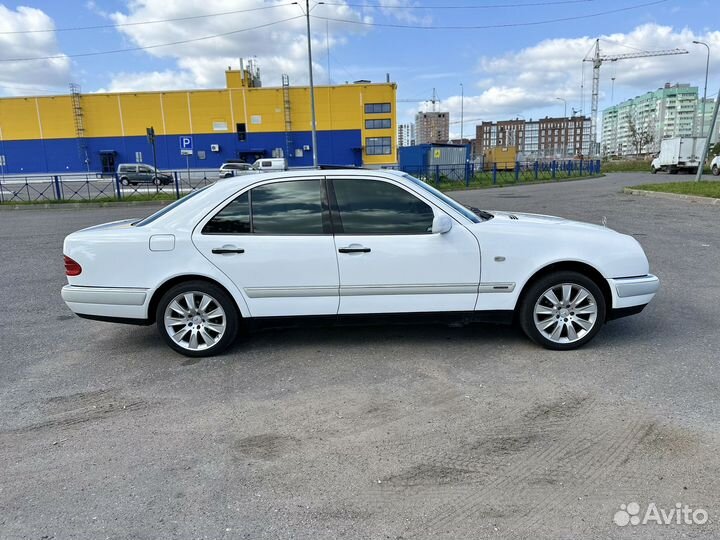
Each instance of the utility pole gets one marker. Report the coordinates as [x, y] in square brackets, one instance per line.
[462, 112]
[702, 105]
[709, 137]
[312, 87]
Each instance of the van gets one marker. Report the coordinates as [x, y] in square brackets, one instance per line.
[270, 164]
[140, 173]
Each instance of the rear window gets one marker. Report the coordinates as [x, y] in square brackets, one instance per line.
[167, 209]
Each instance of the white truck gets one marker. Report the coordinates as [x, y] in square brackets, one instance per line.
[679, 154]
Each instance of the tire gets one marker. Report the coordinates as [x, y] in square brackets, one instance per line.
[653, 170]
[716, 170]
[124, 181]
[537, 312]
[208, 331]
[157, 181]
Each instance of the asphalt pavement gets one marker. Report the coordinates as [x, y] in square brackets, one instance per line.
[369, 432]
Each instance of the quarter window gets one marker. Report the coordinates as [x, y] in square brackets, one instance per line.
[378, 146]
[376, 207]
[380, 123]
[376, 108]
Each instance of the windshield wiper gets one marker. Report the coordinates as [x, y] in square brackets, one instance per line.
[479, 213]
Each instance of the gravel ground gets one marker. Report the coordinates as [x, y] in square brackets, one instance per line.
[395, 432]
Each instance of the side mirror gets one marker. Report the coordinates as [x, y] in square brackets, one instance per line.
[441, 224]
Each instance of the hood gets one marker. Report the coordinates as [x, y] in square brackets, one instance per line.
[543, 220]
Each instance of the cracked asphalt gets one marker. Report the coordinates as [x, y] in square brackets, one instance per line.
[366, 432]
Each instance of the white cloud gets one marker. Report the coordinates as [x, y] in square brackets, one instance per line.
[529, 81]
[278, 49]
[30, 77]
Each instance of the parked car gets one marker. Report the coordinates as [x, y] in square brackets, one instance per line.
[343, 244]
[270, 164]
[234, 168]
[715, 165]
[140, 173]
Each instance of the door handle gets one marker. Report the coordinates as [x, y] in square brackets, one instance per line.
[354, 250]
[226, 250]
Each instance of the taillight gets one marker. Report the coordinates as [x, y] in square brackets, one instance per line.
[72, 268]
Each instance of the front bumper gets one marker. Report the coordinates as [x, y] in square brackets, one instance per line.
[633, 291]
[106, 302]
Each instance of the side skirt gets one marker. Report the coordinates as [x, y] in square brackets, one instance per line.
[382, 319]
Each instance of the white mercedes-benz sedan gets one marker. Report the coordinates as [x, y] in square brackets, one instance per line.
[336, 245]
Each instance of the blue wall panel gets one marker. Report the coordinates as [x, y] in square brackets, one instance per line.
[63, 155]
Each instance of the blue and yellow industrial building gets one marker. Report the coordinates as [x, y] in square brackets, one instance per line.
[78, 132]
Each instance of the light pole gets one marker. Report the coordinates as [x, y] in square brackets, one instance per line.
[702, 105]
[313, 122]
[462, 110]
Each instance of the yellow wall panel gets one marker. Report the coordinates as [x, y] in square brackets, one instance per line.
[139, 112]
[208, 107]
[177, 120]
[56, 115]
[18, 119]
[265, 110]
[101, 115]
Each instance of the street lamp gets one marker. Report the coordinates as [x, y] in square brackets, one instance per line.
[702, 105]
[313, 122]
[565, 106]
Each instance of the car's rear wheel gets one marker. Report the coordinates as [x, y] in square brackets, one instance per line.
[197, 318]
[157, 181]
[124, 182]
[562, 311]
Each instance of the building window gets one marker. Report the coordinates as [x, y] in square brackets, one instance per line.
[381, 123]
[378, 146]
[375, 108]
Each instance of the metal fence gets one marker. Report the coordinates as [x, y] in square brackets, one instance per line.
[504, 173]
[96, 186]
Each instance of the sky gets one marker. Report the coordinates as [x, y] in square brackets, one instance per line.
[495, 59]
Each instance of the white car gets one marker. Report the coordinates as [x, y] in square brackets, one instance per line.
[715, 165]
[233, 168]
[343, 244]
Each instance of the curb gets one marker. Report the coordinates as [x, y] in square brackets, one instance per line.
[672, 196]
[73, 206]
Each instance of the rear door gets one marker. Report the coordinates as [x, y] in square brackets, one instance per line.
[388, 257]
[274, 241]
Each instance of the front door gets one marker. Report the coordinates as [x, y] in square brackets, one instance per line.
[274, 241]
[390, 261]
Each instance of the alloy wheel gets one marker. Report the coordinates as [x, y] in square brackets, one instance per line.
[565, 313]
[195, 321]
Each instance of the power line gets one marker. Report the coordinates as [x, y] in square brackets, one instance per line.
[503, 25]
[139, 23]
[131, 49]
[486, 6]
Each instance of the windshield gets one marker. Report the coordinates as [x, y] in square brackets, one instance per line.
[167, 208]
[472, 215]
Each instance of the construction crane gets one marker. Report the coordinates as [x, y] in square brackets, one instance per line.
[597, 59]
[432, 100]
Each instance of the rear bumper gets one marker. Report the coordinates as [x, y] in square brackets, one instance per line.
[106, 302]
[633, 291]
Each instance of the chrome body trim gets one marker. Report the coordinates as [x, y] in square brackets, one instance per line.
[104, 295]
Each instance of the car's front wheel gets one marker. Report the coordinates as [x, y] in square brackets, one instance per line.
[197, 318]
[562, 311]
[124, 181]
[716, 170]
